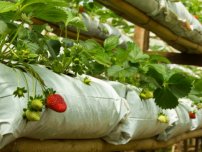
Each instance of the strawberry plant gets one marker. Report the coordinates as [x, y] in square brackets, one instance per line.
[23, 43]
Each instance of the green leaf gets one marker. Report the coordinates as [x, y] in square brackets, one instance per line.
[195, 99]
[197, 87]
[102, 58]
[32, 47]
[154, 58]
[111, 43]
[55, 45]
[158, 72]
[7, 6]
[77, 22]
[120, 72]
[27, 3]
[48, 13]
[165, 99]
[136, 55]
[180, 85]
[139, 57]
[121, 55]
[114, 70]
[3, 27]
[67, 42]
[7, 16]
[128, 72]
[91, 46]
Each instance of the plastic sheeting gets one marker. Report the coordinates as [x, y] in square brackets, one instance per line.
[104, 109]
[174, 16]
[101, 30]
[141, 122]
[182, 125]
[93, 111]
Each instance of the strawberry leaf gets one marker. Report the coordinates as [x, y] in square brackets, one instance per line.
[114, 70]
[121, 55]
[121, 72]
[180, 85]
[157, 72]
[155, 58]
[7, 6]
[50, 2]
[77, 22]
[3, 27]
[111, 43]
[197, 88]
[91, 47]
[48, 13]
[102, 58]
[165, 99]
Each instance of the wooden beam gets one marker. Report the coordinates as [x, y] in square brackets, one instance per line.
[141, 38]
[181, 58]
[92, 145]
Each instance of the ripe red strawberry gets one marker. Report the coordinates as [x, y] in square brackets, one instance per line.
[192, 115]
[81, 9]
[56, 103]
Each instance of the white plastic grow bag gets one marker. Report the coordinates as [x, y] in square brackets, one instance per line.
[93, 111]
[141, 122]
[198, 121]
[183, 123]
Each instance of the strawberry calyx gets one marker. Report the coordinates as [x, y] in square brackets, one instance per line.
[19, 92]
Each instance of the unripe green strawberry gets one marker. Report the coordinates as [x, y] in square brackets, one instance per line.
[76, 61]
[199, 105]
[163, 118]
[146, 94]
[87, 80]
[33, 115]
[37, 104]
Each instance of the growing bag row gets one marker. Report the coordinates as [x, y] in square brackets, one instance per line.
[103, 109]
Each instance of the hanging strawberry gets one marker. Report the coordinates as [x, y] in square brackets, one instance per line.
[36, 103]
[55, 101]
[32, 115]
[87, 80]
[163, 118]
[192, 115]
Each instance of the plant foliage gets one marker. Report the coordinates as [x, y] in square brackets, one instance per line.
[23, 43]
